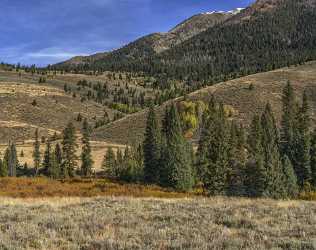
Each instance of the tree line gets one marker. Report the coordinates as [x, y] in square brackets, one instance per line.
[262, 160]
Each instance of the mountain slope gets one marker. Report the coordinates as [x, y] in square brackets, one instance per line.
[244, 101]
[154, 43]
[267, 35]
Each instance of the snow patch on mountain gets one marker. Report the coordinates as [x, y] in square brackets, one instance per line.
[233, 12]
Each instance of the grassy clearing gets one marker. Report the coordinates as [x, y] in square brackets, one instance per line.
[43, 187]
[143, 223]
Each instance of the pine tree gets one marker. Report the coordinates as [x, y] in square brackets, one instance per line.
[177, 153]
[152, 150]
[109, 164]
[237, 159]
[47, 158]
[213, 151]
[255, 177]
[290, 181]
[3, 169]
[313, 158]
[272, 161]
[11, 159]
[302, 163]
[69, 150]
[36, 152]
[54, 171]
[86, 157]
[119, 161]
[288, 122]
[58, 154]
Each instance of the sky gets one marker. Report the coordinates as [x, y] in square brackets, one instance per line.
[44, 32]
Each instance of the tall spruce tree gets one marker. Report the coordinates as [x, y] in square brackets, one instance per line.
[47, 158]
[290, 181]
[109, 164]
[288, 122]
[302, 163]
[152, 148]
[272, 161]
[213, 151]
[313, 158]
[11, 159]
[69, 150]
[3, 169]
[237, 160]
[36, 152]
[177, 158]
[58, 154]
[255, 177]
[86, 157]
[54, 170]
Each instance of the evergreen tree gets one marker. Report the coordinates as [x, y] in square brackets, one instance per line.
[36, 152]
[54, 170]
[109, 164]
[288, 122]
[302, 163]
[313, 158]
[58, 154]
[47, 158]
[290, 181]
[3, 169]
[132, 170]
[237, 160]
[272, 161]
[255, 177]
[213, 151]
[177, 158]
[69, 150]
[86, 157]
[152, 151]
[11, 159]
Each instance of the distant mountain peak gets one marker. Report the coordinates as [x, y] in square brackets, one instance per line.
[233, 12]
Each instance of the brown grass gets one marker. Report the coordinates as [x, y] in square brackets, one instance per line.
[148, 223]
[43, 187]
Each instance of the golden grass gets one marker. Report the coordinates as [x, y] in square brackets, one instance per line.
[151, 223]
[43, 187]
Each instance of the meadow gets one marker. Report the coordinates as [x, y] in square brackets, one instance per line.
[151, 223]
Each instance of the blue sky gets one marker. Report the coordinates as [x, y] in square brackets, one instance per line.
[48, 31]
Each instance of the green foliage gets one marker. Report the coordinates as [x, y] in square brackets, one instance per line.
[271, 155]
[3, 169]
[302, 164]
[109, 164]
[86, 157]
[290, 181]
[69, 151]
[11, 159]
[36, 152]
[177, 154]
[213, 151]
[313, 157]
[152, 149]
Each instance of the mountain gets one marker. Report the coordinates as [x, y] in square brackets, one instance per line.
[79, 60]
[157, 42]
[267, 35]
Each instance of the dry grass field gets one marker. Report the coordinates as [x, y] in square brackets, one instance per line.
[150, 223]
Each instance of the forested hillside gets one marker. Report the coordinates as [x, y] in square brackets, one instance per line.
[263, 37]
